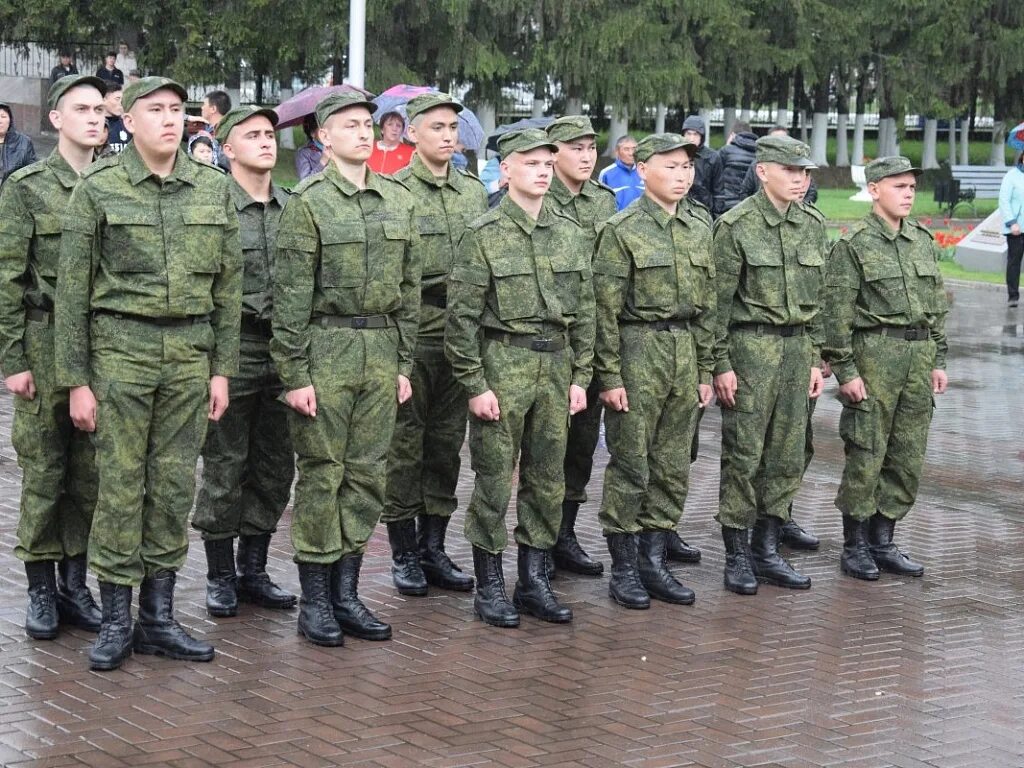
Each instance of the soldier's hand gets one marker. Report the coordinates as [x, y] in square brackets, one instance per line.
[939, 381]
[303, 400]
[725, 388]
[854, 390]
[404, 389]
[22, 384]
[577, 399]
[826, 370]
[83, 408]
[218, 397]
[485, 406]
[615, 399]
[817, 385]
[704, 393]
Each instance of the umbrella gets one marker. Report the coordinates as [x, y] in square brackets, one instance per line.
[294, 110]
[1015, 139]
[394, 99]
[518, 125]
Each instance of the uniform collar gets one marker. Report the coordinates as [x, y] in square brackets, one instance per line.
[65, 174]
[520, 217]
[563, 195]
[418, 169]
[138, 171]
[346, 187]
[771, 214]
[660, 215]
[878, 224]
[243, 199]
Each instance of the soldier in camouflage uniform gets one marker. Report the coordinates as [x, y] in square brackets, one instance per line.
[423, 464]
[248, 463]
[346, 311]
[769, 255]
[520, 336]
[654, 289]
[58, 487]
[590, 204]
[885, 315]
[147, 316]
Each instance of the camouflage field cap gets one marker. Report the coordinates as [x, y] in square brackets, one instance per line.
[524, 141]
[147, 85]
[240, 115]
[658, 143]
[428, 101]
[339, 101]
[68, 82]
[784, 150]
[893, 165]
[570, 128]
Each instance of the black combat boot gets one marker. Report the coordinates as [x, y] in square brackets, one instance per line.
[316, 614]
[490, 602]
[654, 573]
[41, 617]
[856, 560]
[114, 643]
[739, 572]
[439, 569]
[886, 554]
[678, 551]
[567, 553]
[795, 537]
[624, 586]
[254, 584]
[533, 593]
[769, 566]
[75, 605]
[221, 581]
[157, 632]
[353, 617]
[406, 571]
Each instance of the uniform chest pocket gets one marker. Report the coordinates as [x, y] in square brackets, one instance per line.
[47, 244]
[388, 268]
[256, 276]
[204, 228]
[806, 283]
[569, 269]
[133, 242]
[515, 287]
[654, 279]
[886, 290]
[932, 298]
[765, 272]
[436, 244]
[342, 254]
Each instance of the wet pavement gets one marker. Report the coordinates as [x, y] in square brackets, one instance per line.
[901, 672]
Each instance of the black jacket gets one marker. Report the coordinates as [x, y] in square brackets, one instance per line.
[17, 150]
[706, 179]
[751, 184]
[735, 157]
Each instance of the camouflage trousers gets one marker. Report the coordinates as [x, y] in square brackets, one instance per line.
[58, 482]
[248, 462]
[423, 463]
[342, 452]
[886, 435]
[584, 433]
[152, 386]
[647, 478]
[764, 436]
[533, 394]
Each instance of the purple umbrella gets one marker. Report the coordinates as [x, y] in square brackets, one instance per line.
[294, 110]
[394, 99]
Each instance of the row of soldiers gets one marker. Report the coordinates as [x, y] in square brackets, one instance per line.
[352, 324]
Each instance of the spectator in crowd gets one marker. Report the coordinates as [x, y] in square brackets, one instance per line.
[200, 147]
[134, 75]
[125, 60]
[109, 71]
[622, 176]
[459, 159]
[310, 158]
[216, 104]
[737, 159]
[118, 135]
[707, 164]
[390, 153]
[65, 68]
[751, 183]
[16, 149]
[1011, 207]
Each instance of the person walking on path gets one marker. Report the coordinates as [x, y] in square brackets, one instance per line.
[1011, 208]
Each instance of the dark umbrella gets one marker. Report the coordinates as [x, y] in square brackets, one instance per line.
[294, 110]
[518, 125]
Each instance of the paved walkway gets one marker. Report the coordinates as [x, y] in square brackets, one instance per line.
[902, 672]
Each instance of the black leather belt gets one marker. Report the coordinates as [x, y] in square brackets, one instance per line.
[907, 333]
[252, 326]
[660, 325]
[359, 322]
[536, 343]
[441, 302]
[164, 322]
[38, 315]
[767, 329]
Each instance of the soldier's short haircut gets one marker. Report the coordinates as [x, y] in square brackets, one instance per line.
[775, 130]
[220, 101]
[623, 139]
[112, 87]
[741, 126]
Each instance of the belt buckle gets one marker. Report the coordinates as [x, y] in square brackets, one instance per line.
[539, 345]
[359, 322]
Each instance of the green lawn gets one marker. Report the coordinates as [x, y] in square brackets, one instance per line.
[953, 270]
[837, 206]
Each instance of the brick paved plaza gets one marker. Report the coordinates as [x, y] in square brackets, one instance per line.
[902, 672]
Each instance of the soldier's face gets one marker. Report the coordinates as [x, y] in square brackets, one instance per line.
[436, 134]
[783, 182]
[667, 176]
[79, 116]
[894, 195]
[529, 173]
[157, 122]
[349, 134]
[252, 145]
[575, 160]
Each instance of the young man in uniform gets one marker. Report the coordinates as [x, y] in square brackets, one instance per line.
[58, 486]
[423, 463]
[573, 194]
[769, 256]
[346, 311]
[654, 288]
[520, 337]
[147, 316]
[248, 463]
[885, 317]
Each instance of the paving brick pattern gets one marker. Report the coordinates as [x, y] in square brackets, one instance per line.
[903, 672]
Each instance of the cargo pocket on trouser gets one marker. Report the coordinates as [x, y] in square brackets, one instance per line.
[857, 425]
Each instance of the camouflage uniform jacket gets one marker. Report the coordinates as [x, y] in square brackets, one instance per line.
[593, 206]
[258, 225]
